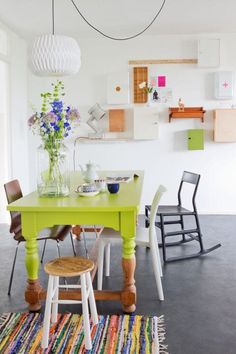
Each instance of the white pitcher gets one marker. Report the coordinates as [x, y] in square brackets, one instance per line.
[90, 173]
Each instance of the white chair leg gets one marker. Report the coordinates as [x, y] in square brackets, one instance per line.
[47, 313]
[107, 259]
[92, 302]
[157, 271]
[100, 264]
[87, 334]
[55, 298]
[158, 257]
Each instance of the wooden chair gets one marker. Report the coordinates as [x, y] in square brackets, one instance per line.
[69, 267]
[56, 233]
[145, 237]
[166, 213]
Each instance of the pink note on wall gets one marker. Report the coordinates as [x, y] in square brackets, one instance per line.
[153, 81]
[161, 81]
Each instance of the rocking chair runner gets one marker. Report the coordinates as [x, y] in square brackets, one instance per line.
[188, 235]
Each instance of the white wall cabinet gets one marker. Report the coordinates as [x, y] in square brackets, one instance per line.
[208, 53]
[225, 125]
[140, 123]
[145, 123]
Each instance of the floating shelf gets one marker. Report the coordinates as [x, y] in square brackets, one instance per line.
[188, 112]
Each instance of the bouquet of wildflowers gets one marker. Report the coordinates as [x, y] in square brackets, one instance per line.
[54, 123]
[56, 119]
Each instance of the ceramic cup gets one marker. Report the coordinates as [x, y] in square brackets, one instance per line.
[113, 187]
[101, 184]
[87, 188]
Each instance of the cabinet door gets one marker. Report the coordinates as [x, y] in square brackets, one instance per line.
[140, 75]
[225, 125]
[145, 123]
[196, 139]
[208, 52]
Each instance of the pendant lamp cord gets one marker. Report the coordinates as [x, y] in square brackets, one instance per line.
[53, 18]
[116, 38]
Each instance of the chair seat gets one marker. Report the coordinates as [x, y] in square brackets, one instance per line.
[142, 236]
[171, 209]
[58, 232]
[68, 266]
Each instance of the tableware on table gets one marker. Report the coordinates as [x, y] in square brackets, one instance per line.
[90, 173]
[101, 184]
[87, 188]
[119, 179]
[87, 194]
[113, 187]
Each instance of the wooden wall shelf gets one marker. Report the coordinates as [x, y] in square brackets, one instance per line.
[188, 112]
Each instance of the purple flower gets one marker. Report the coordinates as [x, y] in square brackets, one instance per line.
[57, 106]
[32, 120]
[56, 128]
[50, 117]
[73, 114]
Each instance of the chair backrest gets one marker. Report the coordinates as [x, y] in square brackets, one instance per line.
[159, 193]
[192, 178]
[13, 192]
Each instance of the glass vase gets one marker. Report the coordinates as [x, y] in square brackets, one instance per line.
[53, 170]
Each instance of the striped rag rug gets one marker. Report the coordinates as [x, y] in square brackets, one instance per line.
[22, 332]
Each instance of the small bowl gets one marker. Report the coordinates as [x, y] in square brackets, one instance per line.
[113, 187]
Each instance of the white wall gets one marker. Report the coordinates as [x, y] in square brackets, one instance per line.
[164, 159]
[14, 136]
[18, 111]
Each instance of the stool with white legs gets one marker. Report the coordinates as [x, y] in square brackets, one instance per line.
[145, 237]
[69, 267]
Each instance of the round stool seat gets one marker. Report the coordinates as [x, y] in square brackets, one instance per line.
[68, 266]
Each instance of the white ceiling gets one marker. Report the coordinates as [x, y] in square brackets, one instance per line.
[119, 17]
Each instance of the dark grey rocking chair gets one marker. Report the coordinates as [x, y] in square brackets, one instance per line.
[56, 233]
[164, 213]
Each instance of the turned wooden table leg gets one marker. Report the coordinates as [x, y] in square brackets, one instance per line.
[128, 296]
[128, 231]
[33, 294]
[76, 230]
[33, 287]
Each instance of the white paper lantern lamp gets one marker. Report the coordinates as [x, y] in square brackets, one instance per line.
[55, 55]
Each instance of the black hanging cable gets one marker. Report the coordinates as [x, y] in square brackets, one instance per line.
[53, 17]
[115, 38]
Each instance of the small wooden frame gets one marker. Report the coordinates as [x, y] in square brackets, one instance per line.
[188, 112]
[116, 120]
[140, 75]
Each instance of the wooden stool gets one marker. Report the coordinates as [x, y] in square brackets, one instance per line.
[69, 267]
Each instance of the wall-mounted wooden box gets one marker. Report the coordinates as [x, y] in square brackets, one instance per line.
[225, 125]
[195, 139]
[131, 123]
[188, 112]
[140, 75]
[208, 52]
[116, 120]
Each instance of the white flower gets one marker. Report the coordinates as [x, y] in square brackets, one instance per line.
[142, 85]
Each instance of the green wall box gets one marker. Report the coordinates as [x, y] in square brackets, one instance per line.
[195, 139]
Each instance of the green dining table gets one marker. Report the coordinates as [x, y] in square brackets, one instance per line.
[118, 211]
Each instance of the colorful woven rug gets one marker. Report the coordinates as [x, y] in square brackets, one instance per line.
[22, 332]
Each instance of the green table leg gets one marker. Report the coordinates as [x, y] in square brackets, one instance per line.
[33, 288]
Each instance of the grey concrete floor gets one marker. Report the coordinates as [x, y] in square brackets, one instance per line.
[200, 293]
